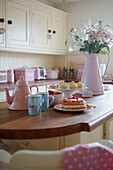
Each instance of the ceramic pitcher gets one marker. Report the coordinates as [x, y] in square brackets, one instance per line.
[91, 75]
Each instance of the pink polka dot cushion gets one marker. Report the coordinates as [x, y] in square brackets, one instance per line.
[88, 157]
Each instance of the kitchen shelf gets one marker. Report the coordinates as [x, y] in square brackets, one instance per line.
[44, 83]
[76, 80]
[11, 86]
[70, 79]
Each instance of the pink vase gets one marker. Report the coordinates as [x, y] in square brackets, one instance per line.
[91, 75]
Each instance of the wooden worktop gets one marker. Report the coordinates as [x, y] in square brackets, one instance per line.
[53, 123]
[38, 83]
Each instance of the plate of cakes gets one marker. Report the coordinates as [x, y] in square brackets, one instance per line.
[73, 104]
[68, 87]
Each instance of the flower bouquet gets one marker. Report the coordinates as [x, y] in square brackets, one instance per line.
[93, 38]
[91, 41]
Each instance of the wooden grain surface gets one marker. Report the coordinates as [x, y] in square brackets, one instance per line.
[52, 123]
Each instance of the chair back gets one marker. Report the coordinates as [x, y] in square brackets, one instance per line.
[33, 160]
[40, 160]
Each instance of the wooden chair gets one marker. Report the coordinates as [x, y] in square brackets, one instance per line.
[36, 160]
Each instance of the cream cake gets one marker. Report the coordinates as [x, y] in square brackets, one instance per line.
[73, 86]
[53, 86]
[63, 86]
[80, 85]
[74, 103]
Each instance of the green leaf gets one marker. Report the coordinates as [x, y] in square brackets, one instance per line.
[101, 46]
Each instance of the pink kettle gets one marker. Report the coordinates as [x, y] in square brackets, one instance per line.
[19, 99]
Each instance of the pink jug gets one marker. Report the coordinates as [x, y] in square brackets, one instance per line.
[91, 74]
[19, 99]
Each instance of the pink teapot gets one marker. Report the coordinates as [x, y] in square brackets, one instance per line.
[19, 99]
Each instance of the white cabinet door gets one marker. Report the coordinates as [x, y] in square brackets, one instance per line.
[41, 23]
[108, 127]
[93, 136]
[33, 27]
[2, 24]
[18, 33]
[110, 132]
[59, 31]
[49, 28]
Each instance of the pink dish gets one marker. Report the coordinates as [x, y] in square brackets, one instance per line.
[57, 99]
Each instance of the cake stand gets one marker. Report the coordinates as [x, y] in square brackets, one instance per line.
[68, 92]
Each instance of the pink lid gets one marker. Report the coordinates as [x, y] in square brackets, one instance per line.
[21, 82]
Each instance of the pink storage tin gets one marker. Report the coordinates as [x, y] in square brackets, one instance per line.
[80, 68]
[28, 74]
[3, 76]
[10, 75]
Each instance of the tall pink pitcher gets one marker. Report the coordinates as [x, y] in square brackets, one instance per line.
[91, 75]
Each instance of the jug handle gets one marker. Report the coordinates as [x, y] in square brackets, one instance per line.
[106, 64]
[34, 86]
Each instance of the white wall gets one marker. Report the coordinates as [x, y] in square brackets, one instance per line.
[79, 13]
[15, 60]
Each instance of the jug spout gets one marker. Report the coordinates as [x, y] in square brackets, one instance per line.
[8, 97]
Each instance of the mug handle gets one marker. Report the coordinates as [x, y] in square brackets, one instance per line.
[50, 96]
[41, 101]
[34, 86]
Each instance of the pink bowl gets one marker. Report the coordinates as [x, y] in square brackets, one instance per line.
[57, 99]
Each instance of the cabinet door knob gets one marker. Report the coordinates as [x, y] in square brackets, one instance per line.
[54, 32]
[2, 20]
[49, 31]
[10, 22]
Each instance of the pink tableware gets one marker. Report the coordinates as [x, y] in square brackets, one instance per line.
[58, 96]
[19, 99]
[91, 77]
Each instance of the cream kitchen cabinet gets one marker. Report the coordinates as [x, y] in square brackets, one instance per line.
[108, 127]
[2, 22]
[82, 137]
[49, 28]
[41, 24]
[18, 24]
[59, 31]
[33, 27]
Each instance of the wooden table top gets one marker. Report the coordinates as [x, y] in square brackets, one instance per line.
[53, 123]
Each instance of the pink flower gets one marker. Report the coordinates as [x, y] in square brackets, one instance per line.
[103, 40]
[80, 39]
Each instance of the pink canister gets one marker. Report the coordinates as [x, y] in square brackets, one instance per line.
[10, 75]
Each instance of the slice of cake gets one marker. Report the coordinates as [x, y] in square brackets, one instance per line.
[74, 103]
